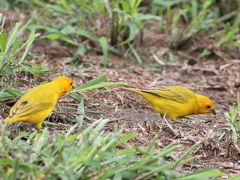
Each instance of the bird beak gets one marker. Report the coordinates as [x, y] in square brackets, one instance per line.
[213, 112]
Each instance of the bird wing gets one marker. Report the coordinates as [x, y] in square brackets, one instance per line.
[32, 102]
[175, 93]
[26, 107]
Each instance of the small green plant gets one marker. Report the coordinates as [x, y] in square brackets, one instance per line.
[13, 49]
[77, 23]
[91, 154]
[9, 93]
[197, 17]
[230, 35]
[126, 22]
[13, 52]
[233, 117]
[191, 18]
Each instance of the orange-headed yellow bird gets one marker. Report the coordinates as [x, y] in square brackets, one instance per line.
[35, 106]
[176, 101]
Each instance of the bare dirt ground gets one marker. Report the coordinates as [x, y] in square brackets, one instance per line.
[217, 76]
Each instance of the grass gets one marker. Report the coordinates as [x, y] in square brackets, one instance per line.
[76, 22]
[13, 48]
[198, 17]
[233, 118]
[118, 26]
[191, 19]
[91, 154]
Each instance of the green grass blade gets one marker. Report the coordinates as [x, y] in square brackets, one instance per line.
[202, 174]
[95, 81]
[80, 113]
[105, 48]
[179, 161]
[135, 54]
[98, 86]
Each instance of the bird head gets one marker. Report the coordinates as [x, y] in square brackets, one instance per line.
[205, 105]
[65, 83]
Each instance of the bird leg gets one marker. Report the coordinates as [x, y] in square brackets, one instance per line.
[159, 126]
[38, 126]
[169, 125]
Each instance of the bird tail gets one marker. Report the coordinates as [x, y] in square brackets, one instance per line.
[137, 91]
[146, 94]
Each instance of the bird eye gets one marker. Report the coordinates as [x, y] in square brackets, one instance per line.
[71, 84]
[208, 106]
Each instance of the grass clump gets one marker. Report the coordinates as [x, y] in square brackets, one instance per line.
[91, 154]
[93, 26]
[191, 19]
[233, 118]
[14, 49]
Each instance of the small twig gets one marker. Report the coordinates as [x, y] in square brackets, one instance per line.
[235, 61]
[159, 126]
[143, 129]
[158, 60]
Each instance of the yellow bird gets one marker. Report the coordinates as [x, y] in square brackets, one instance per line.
[176, 101]
[35, 106]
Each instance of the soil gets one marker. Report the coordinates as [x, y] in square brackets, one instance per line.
[217, 76]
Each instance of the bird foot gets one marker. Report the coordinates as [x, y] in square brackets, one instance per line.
[166, 124]
[169, 125]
